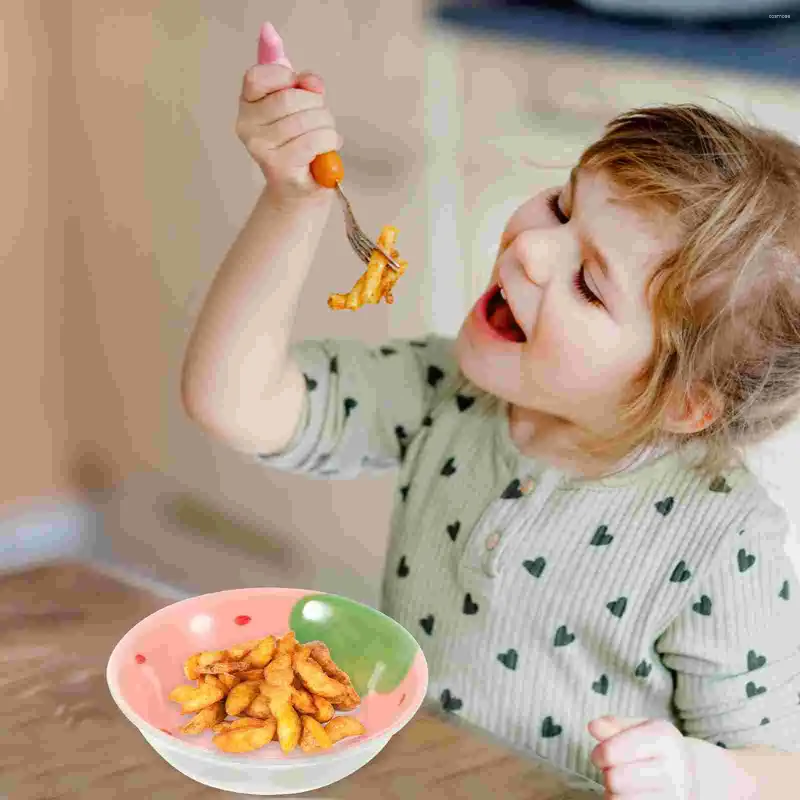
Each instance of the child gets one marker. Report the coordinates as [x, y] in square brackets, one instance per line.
[591, 572]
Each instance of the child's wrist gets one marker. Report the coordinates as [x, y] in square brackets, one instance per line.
[716, 774]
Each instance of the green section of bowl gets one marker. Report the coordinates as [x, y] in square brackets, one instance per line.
[374, 650]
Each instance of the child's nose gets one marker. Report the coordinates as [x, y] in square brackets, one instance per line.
[546, 252]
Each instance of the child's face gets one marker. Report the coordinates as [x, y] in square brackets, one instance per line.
[587, 334]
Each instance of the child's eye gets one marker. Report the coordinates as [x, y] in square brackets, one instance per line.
[579, 280]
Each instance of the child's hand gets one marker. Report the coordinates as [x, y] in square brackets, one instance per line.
[642, 758]
[284, 124]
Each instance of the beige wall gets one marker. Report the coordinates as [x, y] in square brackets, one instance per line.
[33, 429]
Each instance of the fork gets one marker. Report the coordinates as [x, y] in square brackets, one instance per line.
[326, 168]
[359, 241]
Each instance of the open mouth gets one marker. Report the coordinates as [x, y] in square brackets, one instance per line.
[500, 318]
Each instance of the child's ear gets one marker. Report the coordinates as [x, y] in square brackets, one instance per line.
[693, 413]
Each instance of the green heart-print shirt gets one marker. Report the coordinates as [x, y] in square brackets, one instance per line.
[542, 601]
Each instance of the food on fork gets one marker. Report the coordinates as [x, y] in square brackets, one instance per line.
[378, 279]
[275, 687]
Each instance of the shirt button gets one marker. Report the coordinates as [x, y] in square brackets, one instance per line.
[492, 540]
[527, 487]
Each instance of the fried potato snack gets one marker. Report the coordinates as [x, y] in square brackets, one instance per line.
[241, 697]
[204, 719]
[350, 699]
[245, 739]
[341, 727]
[378, 279]
[313, 676]
[314, 736]
[276, 689]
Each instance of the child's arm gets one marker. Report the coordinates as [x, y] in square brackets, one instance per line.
[238, 381]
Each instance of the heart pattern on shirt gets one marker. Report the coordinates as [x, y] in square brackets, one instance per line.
[680, 573]
[349, 404]
[464, 402]
[563, 638]
[535, 567]
[469, 606]
[549, 728]
[388, 351]
[643, 669]
[450, 702]
[745, 560]
[449, 467]
[618, 606]
[311, 384]
[402, 440]
[753, 690]
[427, 422]
[434, 376]
[509, 658]
[427, 624]
[417, 343]
[452, 530]
[704, 606]
[784, 592]
[765, 721]
[601, 537]
[334, 366]
[601, 685]
[665, 506]
[512, 491]
[403, 568]
[755, 661]
[404, 491]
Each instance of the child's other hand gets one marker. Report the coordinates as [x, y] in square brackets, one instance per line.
[642, 759]
[284, 123]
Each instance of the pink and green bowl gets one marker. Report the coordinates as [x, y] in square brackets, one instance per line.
[383, 659]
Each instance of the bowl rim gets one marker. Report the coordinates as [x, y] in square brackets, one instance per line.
[172, 742]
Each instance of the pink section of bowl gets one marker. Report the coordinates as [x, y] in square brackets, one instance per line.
[147, 664]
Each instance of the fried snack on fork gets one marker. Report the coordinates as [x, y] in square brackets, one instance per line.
[378, 279]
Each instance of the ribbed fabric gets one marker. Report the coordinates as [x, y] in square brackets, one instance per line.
[542, 601]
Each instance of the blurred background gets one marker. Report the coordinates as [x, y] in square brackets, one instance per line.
[123, 185]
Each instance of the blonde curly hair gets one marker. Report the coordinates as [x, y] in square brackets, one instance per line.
[726, 301]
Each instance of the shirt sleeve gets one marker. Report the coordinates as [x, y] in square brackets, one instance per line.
[735, 651]
[364, 404]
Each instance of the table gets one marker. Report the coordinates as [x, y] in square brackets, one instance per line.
[62, 736]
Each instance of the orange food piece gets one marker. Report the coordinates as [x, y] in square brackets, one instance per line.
[327, 169]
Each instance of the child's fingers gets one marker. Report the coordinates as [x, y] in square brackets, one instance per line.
[284, 130]
[278, 105]
[310, 81]
[304, 149]
[262, 79]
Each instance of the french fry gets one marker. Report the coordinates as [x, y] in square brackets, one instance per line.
[229, 680]
[241, 696]
[303, 701]
[242, 722]
[378, 278]
[220, 667]
[349, 699]
[341, 727]
[243, 740]
[325, 710]
[279, 671]
[262, 653]
[190, 667]
[259, 708]
[204, 719]
[314, 736]
[210, 657]
[287, 719]
[313, 676]
[193, 699]
[239, 651]
[287, 644]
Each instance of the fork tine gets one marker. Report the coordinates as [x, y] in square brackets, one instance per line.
[359, 241]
